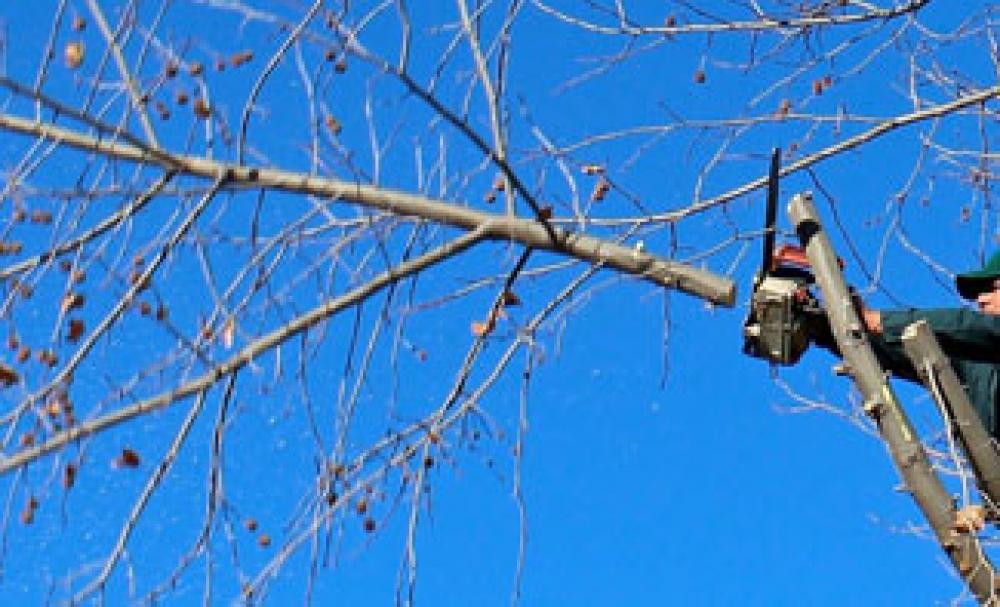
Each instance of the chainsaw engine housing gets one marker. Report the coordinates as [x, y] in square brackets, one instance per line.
[775, 328]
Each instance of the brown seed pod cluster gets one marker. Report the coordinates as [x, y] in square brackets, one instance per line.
[699, 76]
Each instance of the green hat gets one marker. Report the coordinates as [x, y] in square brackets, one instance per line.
[971, 284]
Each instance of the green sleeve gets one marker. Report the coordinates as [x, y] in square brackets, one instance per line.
[962, 333]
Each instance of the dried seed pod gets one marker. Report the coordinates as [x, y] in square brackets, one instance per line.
[181, 98]
[27, 439]
[10, 247]
[162, 110]
[65, 265]
[41, 217]
[429, 461]
[78, 277]
[76, 329]
[369, 525]
[23, 354]
[127, 459]
[601, 189]
[69, 476]
[783, 108]
[195, 68]
[73, 54]
[48, 358]
[490, 197]
[264, 540]
[817, 87]
[481, 329]
[79, 24]
[28, 512]
[361, 507]
[241, 58]
[161, 312]
[228, 333]
[592, 169]
[220, 65]
[136, 278]
[144, 308]
[12, 341]
[545, 213]
[340, 66]
[499, 183]
[201, 109]
[71, 301]
[332, 124]
[251, 524]
[170, 71]
[510, 298]
[8, 376]
[699, 77]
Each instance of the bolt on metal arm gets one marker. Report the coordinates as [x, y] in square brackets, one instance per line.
[881, 404]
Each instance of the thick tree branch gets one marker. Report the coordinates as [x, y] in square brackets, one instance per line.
[662, 272]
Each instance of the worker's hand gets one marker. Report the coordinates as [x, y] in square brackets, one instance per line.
[872, 319]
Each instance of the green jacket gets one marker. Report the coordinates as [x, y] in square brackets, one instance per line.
[970, 339]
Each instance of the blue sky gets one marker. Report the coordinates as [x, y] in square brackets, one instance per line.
[659, 465]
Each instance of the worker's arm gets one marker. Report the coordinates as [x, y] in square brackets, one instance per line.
[961, 332]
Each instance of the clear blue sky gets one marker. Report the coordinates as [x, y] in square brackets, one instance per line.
[705, 488]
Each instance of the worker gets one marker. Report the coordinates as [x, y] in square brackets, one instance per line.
[970, 338]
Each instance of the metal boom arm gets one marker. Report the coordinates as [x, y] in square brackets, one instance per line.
[881, 404]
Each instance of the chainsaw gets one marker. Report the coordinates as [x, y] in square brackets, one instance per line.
[782, 303]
